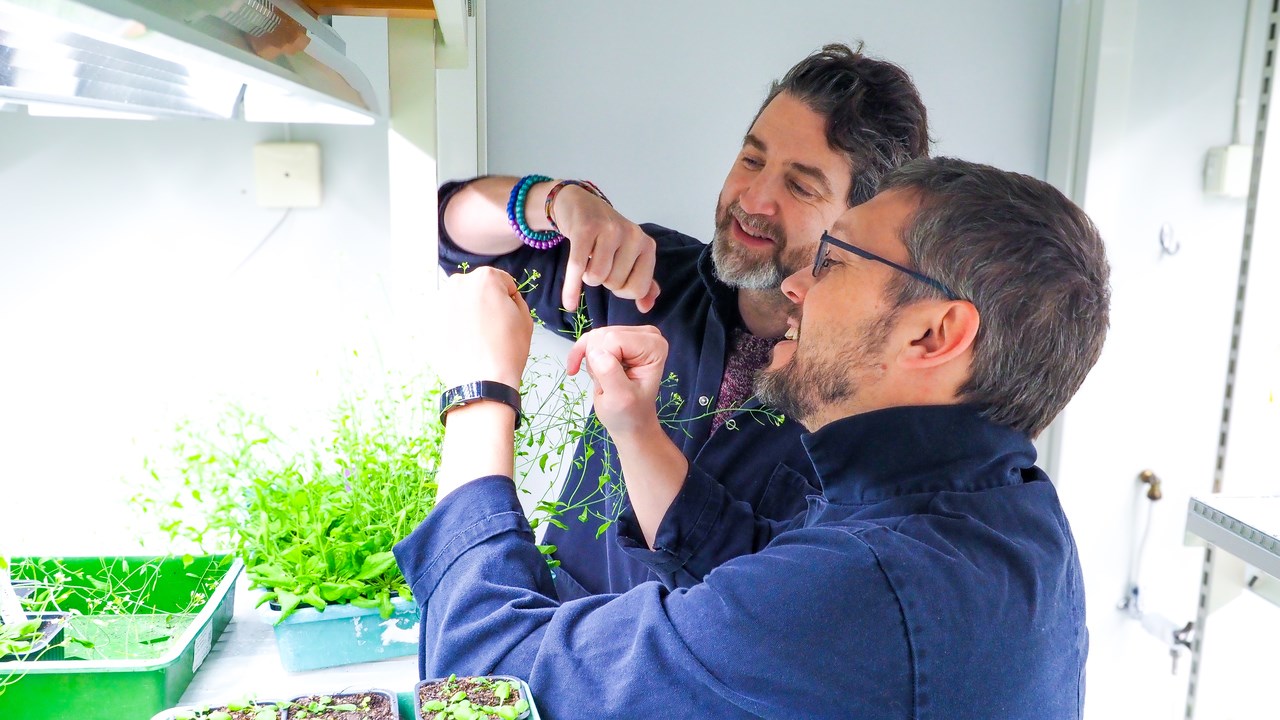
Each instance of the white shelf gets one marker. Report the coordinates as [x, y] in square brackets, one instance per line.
[245, 662]
[1247, 527]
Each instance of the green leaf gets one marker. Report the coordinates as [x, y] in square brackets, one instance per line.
[376, 564]
[288, 603]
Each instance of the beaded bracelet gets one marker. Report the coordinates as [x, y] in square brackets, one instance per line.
[555, 190]
[537, 239]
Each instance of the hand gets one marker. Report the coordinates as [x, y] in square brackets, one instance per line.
[605, 249]
[627, 366]
[487, 329]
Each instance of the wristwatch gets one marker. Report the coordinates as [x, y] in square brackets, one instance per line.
[480, 390]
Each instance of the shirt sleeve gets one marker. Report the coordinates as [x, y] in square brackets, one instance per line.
[703, 528]
[808, 628]
[542, 270]
[676, 266]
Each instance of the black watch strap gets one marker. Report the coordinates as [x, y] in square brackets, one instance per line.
[480, 390]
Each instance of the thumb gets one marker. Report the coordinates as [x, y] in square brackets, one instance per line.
[646, 303]
[607, 371]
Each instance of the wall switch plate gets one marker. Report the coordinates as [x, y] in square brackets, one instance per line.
[287, 175]
[1228, 169]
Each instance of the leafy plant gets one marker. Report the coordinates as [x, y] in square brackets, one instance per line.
[314, 526]
[17, 639]
[472, 698]
[113, 599]
[246, 709]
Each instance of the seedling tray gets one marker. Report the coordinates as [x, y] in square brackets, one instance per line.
[138, 664]
[310, 639]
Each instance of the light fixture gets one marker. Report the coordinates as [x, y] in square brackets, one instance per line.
[257, 60]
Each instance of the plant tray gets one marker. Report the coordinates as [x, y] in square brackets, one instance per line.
[310, 639]
[138, 664]
[416, 712]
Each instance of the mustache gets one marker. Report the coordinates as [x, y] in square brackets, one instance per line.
[756, 224]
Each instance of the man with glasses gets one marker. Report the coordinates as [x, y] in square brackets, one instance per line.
[822, 138]
[934, 576]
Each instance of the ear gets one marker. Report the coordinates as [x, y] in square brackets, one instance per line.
[941, 332]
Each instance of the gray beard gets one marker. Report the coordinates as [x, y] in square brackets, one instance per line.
[739, 270]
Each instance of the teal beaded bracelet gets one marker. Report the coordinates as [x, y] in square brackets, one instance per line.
[538, 239]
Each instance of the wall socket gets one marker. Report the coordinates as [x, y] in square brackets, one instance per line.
[287, 175]
[1228, 170]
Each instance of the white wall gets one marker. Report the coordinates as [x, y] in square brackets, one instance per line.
[651, 99]
[123, 306]
[1166, 94]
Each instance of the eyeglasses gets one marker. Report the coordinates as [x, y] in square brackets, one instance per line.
[824, 249]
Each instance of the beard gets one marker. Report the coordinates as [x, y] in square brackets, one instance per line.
[806, 386]
[736, 265]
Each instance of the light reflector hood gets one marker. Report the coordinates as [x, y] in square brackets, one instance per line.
[265, 60]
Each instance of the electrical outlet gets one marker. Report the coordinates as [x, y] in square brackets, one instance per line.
[287, 175]
[1228, 170]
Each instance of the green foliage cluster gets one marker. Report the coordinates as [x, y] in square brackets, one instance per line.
[119, 588]
[19, 639]
[314, 526]
[312, 709]
[474, 698]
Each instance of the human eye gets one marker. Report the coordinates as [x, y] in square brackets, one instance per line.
[801, 190]
[751, 162]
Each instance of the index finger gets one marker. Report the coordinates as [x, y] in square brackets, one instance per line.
[579, 254]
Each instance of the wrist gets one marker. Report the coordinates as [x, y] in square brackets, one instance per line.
[644, 436]
[481, 393]
[534, 203]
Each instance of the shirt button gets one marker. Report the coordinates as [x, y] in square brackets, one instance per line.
[704, 401]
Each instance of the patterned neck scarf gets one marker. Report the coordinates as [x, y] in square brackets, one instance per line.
[747, 356]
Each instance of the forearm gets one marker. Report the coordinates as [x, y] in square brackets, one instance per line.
[654, 470]
[476, 217]
[478, 442]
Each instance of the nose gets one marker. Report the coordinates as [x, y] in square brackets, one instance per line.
[760, 196]
[796, 285]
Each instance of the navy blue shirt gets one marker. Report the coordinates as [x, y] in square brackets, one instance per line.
[759, 462]
[933, 577]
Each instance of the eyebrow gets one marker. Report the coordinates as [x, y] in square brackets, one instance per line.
[809, 171]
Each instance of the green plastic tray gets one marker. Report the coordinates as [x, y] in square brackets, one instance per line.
[139, 664]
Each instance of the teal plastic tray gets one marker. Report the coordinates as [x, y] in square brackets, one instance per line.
[310, 639]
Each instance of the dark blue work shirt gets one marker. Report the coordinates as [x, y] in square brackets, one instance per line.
[933, 577]
[759, 462]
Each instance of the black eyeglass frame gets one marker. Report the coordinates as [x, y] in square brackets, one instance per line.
[824, 250]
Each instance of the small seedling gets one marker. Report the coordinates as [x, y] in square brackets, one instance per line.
[473, 698]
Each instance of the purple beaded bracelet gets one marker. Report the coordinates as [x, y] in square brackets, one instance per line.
[537, 239]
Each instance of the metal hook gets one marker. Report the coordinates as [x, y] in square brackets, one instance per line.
[1169, 245]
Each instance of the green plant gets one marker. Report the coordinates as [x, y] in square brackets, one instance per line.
[243, 709]
[472, 698]
[324, 704]
[113, 604]
[17, 639]
[314, 526]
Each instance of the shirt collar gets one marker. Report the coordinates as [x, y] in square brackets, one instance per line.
[724, 299]
[900, 451]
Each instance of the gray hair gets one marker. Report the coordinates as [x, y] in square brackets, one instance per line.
[874, 112]
[1031, 262]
